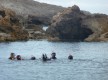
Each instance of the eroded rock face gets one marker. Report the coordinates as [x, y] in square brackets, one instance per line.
[41, 12]
[39, 20]
[75, 25]
[98, 23]
[36, 32]
[10, 27]
[67, 25]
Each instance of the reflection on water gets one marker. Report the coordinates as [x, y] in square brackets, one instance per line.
[90, 61]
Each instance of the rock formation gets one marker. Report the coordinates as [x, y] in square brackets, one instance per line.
[30, 9]
[10, 26]
[98, 23]
[36, 32]
[74, 24]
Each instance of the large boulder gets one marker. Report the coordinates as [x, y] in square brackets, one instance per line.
[74, 24]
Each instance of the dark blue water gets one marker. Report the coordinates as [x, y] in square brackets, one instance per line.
[90, 61]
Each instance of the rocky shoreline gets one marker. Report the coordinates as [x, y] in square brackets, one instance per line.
[12, 28]
[71, 24]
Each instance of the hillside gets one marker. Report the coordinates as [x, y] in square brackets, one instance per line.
[29, 7]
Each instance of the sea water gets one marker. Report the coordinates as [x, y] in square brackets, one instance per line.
[90, 61]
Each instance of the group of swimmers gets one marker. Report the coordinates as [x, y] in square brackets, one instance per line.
[44, 57]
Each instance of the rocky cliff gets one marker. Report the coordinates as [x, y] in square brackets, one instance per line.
[74, 24]
[10, 26]
[38, 13]
[22, 19]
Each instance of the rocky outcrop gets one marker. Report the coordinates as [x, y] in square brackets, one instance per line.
[21, 19]
[10, 27]
[32, 10]
[36, 32]
[98, 23]
[74, 24]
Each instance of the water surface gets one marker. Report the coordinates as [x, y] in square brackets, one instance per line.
[90, 61]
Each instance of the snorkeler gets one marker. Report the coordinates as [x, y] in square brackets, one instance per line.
[53, 55]
[18, 57]
[70, 57]
[44, 57]
[12, 56]
[33, 58]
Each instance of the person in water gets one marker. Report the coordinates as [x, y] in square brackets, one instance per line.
[53, 55]
[44, 57]
[70, 57]
[12, 56]
[33, 58]
[18, 57]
